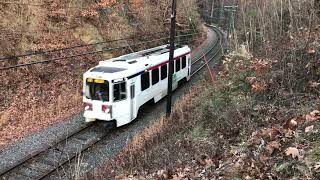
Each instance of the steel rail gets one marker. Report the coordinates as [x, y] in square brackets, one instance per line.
[61, 164]
[202, 66]
[216, 44]
[203, 55]
[43, 150]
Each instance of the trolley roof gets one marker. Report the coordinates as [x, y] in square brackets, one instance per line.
[132, 64]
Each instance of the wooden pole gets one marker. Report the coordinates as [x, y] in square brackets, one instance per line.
[171, 56]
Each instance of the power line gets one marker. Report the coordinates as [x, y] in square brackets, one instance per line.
[67, 48]
[83, 54]
[41, 5]
[77, 46]
[88, 53]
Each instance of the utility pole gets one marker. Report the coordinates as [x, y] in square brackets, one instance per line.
[221, 13]
[171, 56]
[212, 7]
[231, 10]
[317, 7]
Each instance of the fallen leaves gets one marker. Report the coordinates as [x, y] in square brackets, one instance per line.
[175, 177]
[271, 146]
[270, 133]
[291, 37]
[251, 80]
[288, 133]
[205, 161]
[313, 84]
[316, 167]
[90, 13]
[311, 51]
[315, 113]
[162, 174]
[256, 85]
[308, 129]
[293, 152]
[261, 66]
[209, 163]
[313, 116]
[121, 177]
[291, 124]
[259, 87]
[294, 122]
[291, 135]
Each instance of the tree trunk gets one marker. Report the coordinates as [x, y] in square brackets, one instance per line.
[317, 7]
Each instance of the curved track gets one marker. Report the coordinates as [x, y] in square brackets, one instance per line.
[198, 64]
[59, 158]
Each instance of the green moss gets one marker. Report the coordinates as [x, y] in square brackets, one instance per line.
[282, 168]
[239, 83]
[315, 154]
[219, 101]
[199, 132]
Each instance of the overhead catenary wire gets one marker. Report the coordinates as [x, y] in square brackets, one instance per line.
[87, 53]
[41, 5]
[73, 56]
[77, 46]
[14, 57]
[68, 48]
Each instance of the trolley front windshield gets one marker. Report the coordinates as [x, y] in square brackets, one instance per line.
[97, 90]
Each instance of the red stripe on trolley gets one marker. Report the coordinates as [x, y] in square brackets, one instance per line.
[155, 67]
[167, 61]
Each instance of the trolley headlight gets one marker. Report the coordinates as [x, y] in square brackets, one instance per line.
[88, 106]
[106, 109]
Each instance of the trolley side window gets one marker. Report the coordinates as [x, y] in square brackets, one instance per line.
[119, 91]
[164, 71]
[145, 81]
[155, 76]
[184, 62]
[178, 62]
[132, 91]
[97, 91]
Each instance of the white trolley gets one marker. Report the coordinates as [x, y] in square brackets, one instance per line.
[118, 87]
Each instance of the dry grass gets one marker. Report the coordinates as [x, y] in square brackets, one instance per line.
[4, 117]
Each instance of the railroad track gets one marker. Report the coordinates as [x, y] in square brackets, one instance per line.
[198, 64]
[43, 164]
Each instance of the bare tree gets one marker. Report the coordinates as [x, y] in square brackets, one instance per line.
[317, 7]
